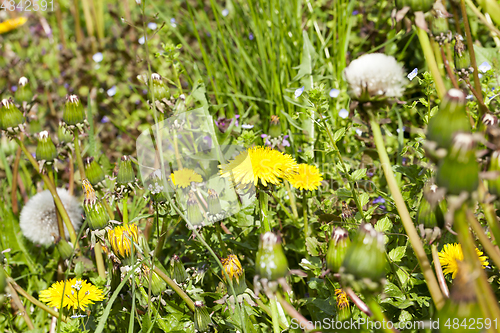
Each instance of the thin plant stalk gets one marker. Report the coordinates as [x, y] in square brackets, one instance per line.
[358, 302]
[71, 181]
[274, 315]
[378, 314]
[408, 225]
[293, 202]
[51, 187]
[491, 218]
[125, 209]
[439, 271]
[15, 172]
[60, 23]
[294, 313]
[483, 239]
[78, 154]
[477, 12]
[267, 310]
[171, 283]
[264, 213]
[451, 75]
[304, 213]
[431, 61]
[20, 306]
[439, 60]
[101, 270]
[78, 27]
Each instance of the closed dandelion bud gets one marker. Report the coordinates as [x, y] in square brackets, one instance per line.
[462, 58]
[202, 320]
[177, 271]
[494, 184]
[65, 249]
[122, 239]
[159, 88]
[158, 285]
[193, 211]
[232, 267]
[74, 114]
[156, 187]
[337, 249]
[439, 27]
[430, 216]
[343, 308]
[63, 135]
[415, 5]
[46, 149]
[275, 127]
[11, 119]
[214, 207]
[93, 171]
[23, 92]
[126, 173]
[365, 263]
[459, 170]
[450, 119]
[95, 213]
[271, 263]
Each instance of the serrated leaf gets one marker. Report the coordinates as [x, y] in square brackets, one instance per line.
[397, 253]
[312, 246]
[358, 174]
[339, 134]
[363, 199]
[343, 193]
[383, 225]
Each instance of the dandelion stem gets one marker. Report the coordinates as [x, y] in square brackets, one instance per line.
[431, 61]
[125, 209]
[306, 324]
[21, 308]
[448, 69]
[53, 191]
[479, 98]
[415, 241]
[358, 302]
[293, 202]
[274, 314]
[304, 212]
[176, 288]
[439, 271]
[71, 182]
[99, 260]
[78, 154]
[15, 172]
[264, 214]
[108, 208]
[485, 241]
[491, 218]
[280, 202]
[378, 314]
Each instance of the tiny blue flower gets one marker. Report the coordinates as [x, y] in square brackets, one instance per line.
[398, 130]
[355, 12]
[173, 23]
[334, 93]
[111, 91]
[250, 36]
[412, 74]
[225, 12]
[343, 113]
[484, 67]
[359, 132]
[299, 92]
[98, 57]
[142, 40]
[152, 25]
[379, 200]
[13, 88]
[105, 120]
[470, 97]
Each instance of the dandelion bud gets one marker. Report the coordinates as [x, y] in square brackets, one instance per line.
[214, 207]
[11, 119]
[74, 114]
[459, 170]
[93, 171]
[343, 308]
[494, 184]
[159, 88]
[462, 58]
[158, 285]
[450, 119]
[96, 214]
[365, 262]
[122, 238]
[177, 271]
[337, 249]
[202, 320]
[193, 210]
[63, 135]
[126, 173]
[430, 217]
[65, 249]
[490, 119]
[23, 92]
[275, 127]
[46, 149]
[416, 5]
[232, 266]
[156, 187]
[271, 262]
[439, 27]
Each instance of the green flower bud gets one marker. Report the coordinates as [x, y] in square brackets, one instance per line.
[275, 127]
[159, 89]
[343, 308]
[459, 170]
[365, 263]
[439, 27]
[214, 207]
[430, 217]
[415, 5]
[494, 184]
[65, 249]
[46, 149]
[450, 119]
[93, 171]
[202, 320]
[63, 135]
[337, 249]
[126, 174]
[96, 214]
[271, 263]
[158, 285]
[193, 211]
[462, 58]
[11, 119]
[177, 271]
[74, 114]
[23, 92]
[156, 187]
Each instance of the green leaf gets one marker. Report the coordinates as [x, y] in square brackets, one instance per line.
[383, 225]
[339, 134]
[363, 199]
[312, 245]
[489, 54]
[308, 57]
[397, 253]
[358, 174]
[343, 193]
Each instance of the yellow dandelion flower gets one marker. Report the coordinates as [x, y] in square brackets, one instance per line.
[120, 239]
[260, 163]
[307, 178]
[77, 294]
[89, 196]
[184, 177]
[451, 254]
[232, 266]
[11, 24]
[342, 300]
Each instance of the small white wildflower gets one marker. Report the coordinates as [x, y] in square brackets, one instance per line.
[359, 132]
[225, 12]
[375, 74]
[334, 93]
[470, 97]
[246, 126]
[412, 74]
[23, 81]
[152, 25]
[111, 91]
[142, 40]
[38, 220]
[484, 67]
[299, 92]
[343, 113]
[173, 23]
[98, 57]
